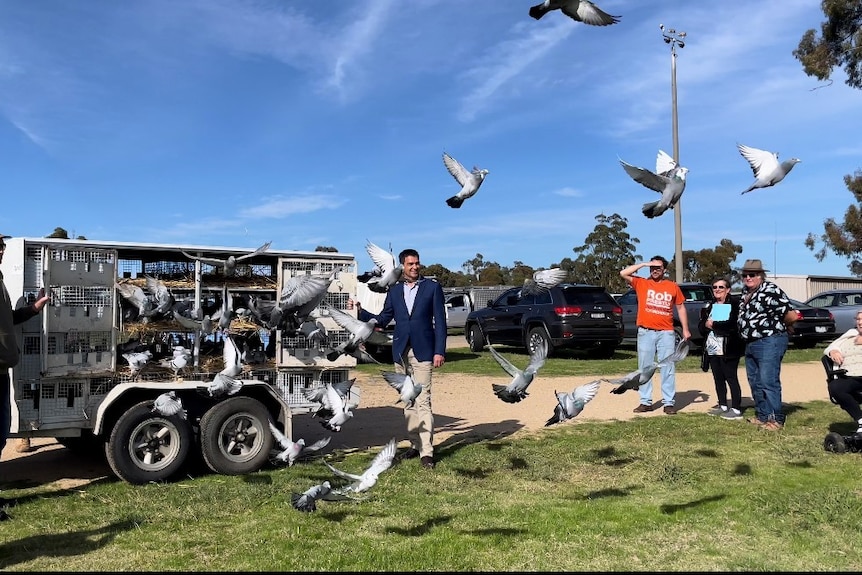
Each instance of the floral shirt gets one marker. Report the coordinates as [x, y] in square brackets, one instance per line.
[761, 312]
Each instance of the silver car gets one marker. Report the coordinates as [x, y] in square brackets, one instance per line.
[843, 303]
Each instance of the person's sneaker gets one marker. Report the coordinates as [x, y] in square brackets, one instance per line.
[670, 410]
[717, 410]
[731, 414]
[427, 462]
[642, 408]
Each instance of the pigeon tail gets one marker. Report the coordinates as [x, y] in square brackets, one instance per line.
[653, 209]
[454, 202]
[302, 503]
[619, 390]
[749, 189]
[333, 355]
[539, 10]
[503, 393]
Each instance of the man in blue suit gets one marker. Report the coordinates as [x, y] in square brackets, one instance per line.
[418, 344]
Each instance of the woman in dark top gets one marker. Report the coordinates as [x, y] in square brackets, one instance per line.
[724, 349]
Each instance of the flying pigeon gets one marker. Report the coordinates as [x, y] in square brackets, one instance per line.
[163, 298]
[229, 264]
[668, 180]
[360, 332]
[314, 332]
[291, 451]
[767, 170]
[578, 10]
[232, 357]
[569, 405]
[637, 378]
[307, 501]
[136, 296]
[517, 388]
[469, 181]
[408, 390]
[338, 405]
[389, 268]
[543, 280]
[303, 293]
[205, 325]
[319, 395]
[361, 483]
[223, 385]
[169, 404]
[137, 361]
[226, 314]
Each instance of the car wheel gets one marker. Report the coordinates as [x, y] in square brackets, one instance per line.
[235, 437]
[475, 338]
[538, 336]
[834, 443]
[145, 446]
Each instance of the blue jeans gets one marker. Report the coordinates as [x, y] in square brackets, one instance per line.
[5, 408]
[654, 346]
[763, 367]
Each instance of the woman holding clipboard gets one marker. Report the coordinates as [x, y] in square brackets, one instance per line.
[723, 348]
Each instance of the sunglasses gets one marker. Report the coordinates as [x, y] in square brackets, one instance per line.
[749, 275]
[719, 287]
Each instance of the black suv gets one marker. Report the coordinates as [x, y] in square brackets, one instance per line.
[576, 316]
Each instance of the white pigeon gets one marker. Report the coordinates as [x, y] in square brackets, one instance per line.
[543, 280]
[368, 478]
[668, 180]
[360, 332]
[307, 501]
[232, 357]
[764, 164]
[161, 294]
[180, 359]
[137, 360]
[341, 409]
[291, 451]
[517, 388]
[469, 181]
[223, 385]
[570, 405]
[408, 390]
[578, 10]
[169, 404]
[389, 268]
[229, 263]
[318, 394]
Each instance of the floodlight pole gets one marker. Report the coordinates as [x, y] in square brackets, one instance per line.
[672, 37]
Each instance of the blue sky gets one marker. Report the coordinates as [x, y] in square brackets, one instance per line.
[309, 122]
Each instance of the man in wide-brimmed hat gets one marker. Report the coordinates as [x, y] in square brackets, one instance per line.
[762, 326]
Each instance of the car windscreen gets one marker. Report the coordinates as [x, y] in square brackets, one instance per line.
[586, 296]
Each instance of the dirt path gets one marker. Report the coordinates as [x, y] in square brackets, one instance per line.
[464, 407]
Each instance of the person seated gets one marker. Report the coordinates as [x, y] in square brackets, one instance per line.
[846, 353]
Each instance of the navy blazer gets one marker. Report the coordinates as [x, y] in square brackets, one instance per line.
[426, 337]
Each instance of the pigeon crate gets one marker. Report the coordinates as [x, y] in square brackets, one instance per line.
[296, 351]
[293, 383]
[73, 352]
[43, 403]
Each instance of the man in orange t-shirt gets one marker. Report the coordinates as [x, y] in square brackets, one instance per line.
[656, 339]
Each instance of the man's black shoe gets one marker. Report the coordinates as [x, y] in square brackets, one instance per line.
[428, 462]
[408, 454]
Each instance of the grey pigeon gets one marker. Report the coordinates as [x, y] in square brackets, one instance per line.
[314, 332]
[232, 357]
[469, 181]
[138, 298]
[368, 478]
[223, 385]
[291, 451]
[668, 180]
[137, 361]
[637, 378]
[318, 394]
[516, 390]
[226, 314]
[169, 404]
[764, 164]
[570, 405]
[578, 10]
[303, 293]
[389, 268]
[360, 332]
[307, 501]
[543, 280]
[229, 263]
[205, 325]
[408, 390]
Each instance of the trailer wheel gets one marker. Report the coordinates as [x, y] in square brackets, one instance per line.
[235, 437]
[145, 446]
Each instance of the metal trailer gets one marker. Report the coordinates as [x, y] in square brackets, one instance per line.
[72, 383]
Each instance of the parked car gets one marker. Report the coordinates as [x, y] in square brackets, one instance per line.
[843, 303]
[574, 316]
[816, 324]
[697, 295]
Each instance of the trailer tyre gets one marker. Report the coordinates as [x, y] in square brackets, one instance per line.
[145, 446]
[235, 437]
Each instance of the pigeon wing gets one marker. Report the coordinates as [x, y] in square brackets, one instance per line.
[317, 445]
[589, 13]
[664, 164]
[507, 366]
[645, 178]
[459, 172]
[547, 279]
[342, 474]
[205, 260]
[258, 251]
[586, 392]
[279, 437]
[385, 261]
[762, 162]
[383, 460]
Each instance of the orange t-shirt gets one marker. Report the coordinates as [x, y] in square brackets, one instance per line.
[655, 302]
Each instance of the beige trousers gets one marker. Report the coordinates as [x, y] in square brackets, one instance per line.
[420, 419]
